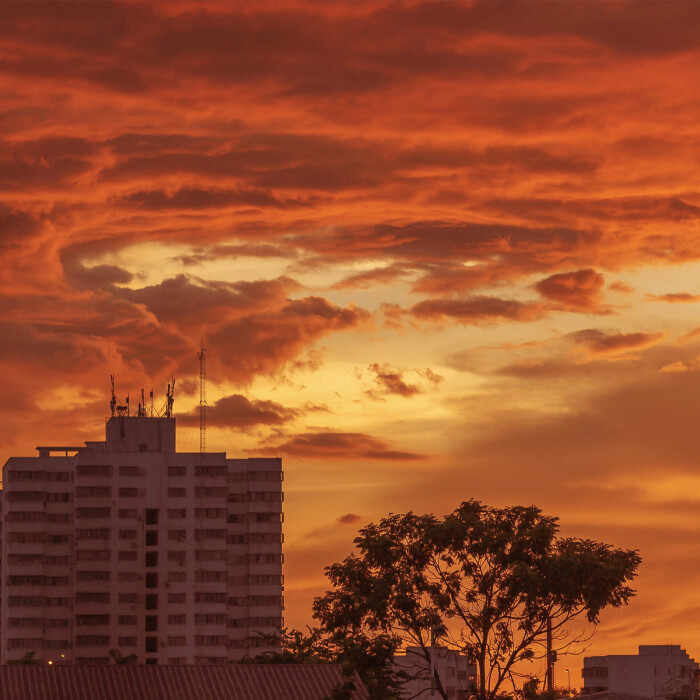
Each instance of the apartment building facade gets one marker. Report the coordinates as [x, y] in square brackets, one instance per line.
[128, 545]
[658, 671]
[457, 675]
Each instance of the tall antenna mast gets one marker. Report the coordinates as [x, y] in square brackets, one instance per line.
[202, 355]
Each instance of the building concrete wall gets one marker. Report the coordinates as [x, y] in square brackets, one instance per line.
[129, 545]
[657, 671]
[456, 674]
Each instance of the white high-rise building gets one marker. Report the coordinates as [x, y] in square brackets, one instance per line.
[131, 546]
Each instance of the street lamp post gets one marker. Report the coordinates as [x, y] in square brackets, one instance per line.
[435, 632]
[568, 678]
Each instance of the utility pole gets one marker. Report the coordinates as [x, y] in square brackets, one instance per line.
[551, 657]
[202, 355]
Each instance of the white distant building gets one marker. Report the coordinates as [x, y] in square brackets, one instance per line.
[127, 544]
[659, 670]
[457, 675]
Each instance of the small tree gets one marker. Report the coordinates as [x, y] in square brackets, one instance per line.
[495, 576]
[369, 657]
[27, 660]
[120, 659]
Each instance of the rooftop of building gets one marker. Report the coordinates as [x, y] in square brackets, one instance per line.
[243, 682]
[611, 695]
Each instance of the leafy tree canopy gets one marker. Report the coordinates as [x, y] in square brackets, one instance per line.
[495, 577]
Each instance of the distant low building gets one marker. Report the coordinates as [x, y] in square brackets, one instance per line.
[659, 671]
[457, 675]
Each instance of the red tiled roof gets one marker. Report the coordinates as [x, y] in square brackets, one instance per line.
[127, 682]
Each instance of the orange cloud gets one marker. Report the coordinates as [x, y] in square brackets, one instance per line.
[339, 445]
[674, 298]
[580, 290]
[600, 342]
[237, 411]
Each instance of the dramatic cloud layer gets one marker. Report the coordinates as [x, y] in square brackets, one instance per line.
[434, 250]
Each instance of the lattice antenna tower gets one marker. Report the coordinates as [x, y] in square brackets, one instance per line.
[202, 355]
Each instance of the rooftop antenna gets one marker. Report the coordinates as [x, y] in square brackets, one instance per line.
[202, 356]
[151, 403]
[170, 399]
[113, 400]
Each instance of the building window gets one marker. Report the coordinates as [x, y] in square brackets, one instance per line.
[151, 601]
[127, 556]
[210, 512]
[24, 643]
[177, 535]
[59, 602]
[26, 537]
[211, 555]
[25, 601]
[152, 580]
[176, 577]
[128, 470]
[128, 576]
[26, 496]
[210, 576]
[93, 491]
[25, 621]
[210, 597]
[201, 535]
[59, 518]
[82, 576]
[177, 513]
[258, 496]
[127, 641]
[210, 491]
[211, 470]
[92, 619]
[127, 512]
[127, 619]
[177, 556]
[94, 470]
[177, 619]
[265, 476]
[92, 512]
[128, 597]
[57, 644]
[151, 644]
[92, 597]
[210, 640]
[92, 533]
[177, 642]
[128, 492]
[210, 619]
[151, 558]
[177, 492]
[177, 597]
[177, 471]
[91, 640]
[93, 555]
[58, 498]
[152, 516]
[127, 534]
[58, 539]
[151, 623]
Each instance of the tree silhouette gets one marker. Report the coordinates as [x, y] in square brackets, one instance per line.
[495, 577]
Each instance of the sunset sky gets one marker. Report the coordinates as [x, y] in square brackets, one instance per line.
[436, 252]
